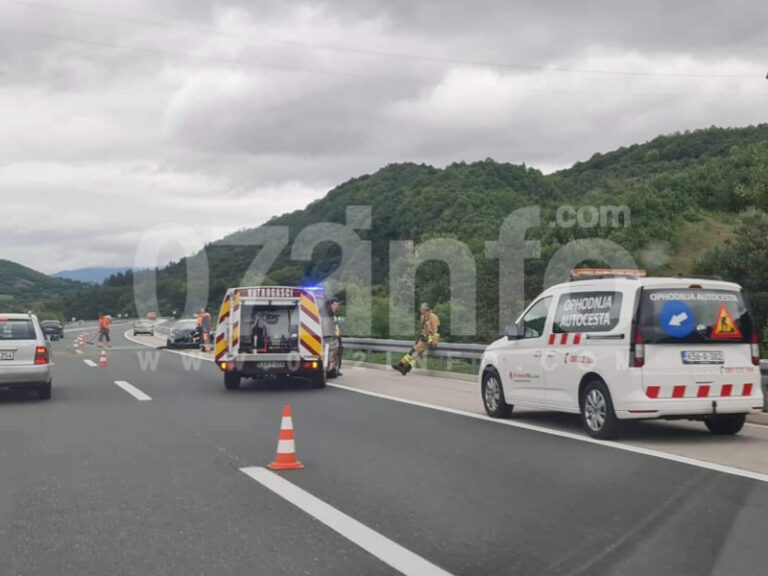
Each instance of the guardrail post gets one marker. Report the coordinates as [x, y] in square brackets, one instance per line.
[389, 357]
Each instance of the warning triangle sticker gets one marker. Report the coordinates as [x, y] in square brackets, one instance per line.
[725, 328]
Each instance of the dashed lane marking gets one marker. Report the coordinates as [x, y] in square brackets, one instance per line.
[133, 391]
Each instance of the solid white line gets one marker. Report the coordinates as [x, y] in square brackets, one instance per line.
[90, 363]
[132, 390]
[389, 552]
[732, 470]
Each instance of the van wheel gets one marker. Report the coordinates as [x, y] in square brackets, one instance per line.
[493, 396]
[725, 424]
[44, 392]
[231, 380]
[597, 412]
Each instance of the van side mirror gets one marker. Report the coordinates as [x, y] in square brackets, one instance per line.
[513, 332]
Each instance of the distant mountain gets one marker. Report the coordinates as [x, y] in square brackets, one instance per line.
[22, 288]
[90, 275]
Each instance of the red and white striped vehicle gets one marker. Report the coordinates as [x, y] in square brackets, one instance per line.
[616, 345]
[283, 331]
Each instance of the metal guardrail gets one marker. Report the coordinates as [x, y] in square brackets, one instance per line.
[444, 351]
[449, 350]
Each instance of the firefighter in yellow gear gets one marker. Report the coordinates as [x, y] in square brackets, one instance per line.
[429, 336]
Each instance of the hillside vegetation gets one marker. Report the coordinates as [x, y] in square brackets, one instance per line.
[685, 193]
[23, 289]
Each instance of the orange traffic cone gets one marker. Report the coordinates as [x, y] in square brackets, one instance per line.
[103, 359]
[286, 446]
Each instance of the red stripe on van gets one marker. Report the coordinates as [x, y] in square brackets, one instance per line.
[564, 338]
[703, 391]
[727, 390]
[678, 392]
[551, 339]
[747, 391]
[576, 339]
[652, 391]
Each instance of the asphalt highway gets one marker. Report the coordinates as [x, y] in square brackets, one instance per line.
[163, 473]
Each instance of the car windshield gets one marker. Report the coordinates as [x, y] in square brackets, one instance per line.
[186, 324]
[13, 329]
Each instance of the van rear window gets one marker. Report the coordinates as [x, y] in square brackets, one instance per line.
[694, 316]
[587, 312]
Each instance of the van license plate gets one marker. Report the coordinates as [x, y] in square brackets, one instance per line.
[6, 355]
[272, 365]
[703, 357]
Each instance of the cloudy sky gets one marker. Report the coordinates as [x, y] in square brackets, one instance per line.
[154, 120]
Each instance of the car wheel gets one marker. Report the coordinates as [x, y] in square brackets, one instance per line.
[493, 396]
[597, 412]
[231, 380]
[44, 391]
[725, 424]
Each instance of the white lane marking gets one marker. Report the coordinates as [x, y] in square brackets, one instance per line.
[78, 351]
[389, 552]
[90, 363]
[732, 470]
[132, 390]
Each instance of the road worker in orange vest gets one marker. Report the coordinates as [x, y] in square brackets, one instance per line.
[204, 330]
[104, 328]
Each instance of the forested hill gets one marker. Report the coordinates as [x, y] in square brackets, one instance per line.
[684, 192]
[22, 288]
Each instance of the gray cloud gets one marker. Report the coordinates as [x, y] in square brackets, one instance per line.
[122, 116]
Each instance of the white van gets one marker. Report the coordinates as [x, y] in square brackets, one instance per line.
[615, 345]
[278, 330]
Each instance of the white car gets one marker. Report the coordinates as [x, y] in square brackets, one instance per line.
[25, 356]
[616, 345]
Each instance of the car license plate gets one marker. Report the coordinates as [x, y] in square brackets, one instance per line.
[703, 357]
[6, 355]
[272, 365]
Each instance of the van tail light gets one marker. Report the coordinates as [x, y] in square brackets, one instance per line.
[41, 355]
[638, 357]
[755, 348]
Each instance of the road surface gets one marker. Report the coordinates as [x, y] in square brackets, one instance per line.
[163, 473]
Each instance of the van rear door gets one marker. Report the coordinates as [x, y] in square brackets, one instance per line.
[697, 343]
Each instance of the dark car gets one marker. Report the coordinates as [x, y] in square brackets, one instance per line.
[52, 329]
[183, 334]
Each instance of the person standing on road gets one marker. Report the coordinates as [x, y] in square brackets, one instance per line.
[337, 332]
[428, 337]
[104, 327]
[204, 325]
